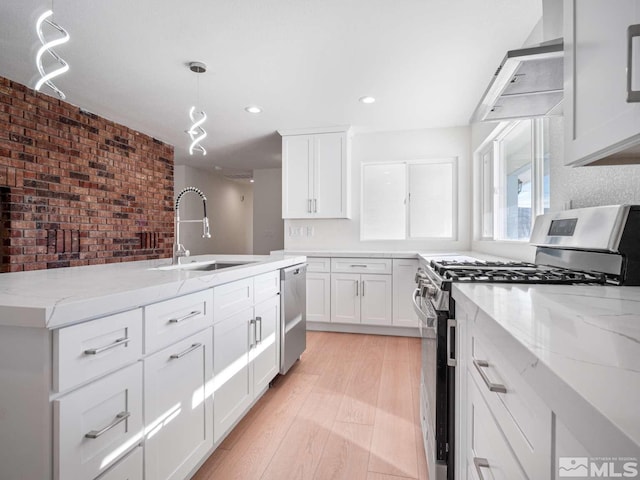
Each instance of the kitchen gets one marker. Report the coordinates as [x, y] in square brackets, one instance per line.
[111, 167]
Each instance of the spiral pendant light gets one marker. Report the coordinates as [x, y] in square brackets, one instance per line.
[198, 117]
[47, 47]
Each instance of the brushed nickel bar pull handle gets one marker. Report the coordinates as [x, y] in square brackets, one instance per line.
[121, 417]
[315, 205]
[193, 347]
[451, 326]
[480, 463]
[308, 205]
[633, 31]
[357, 287]
[493, 387]
[117, 343]
[358, 265]
[254, 342]
[363, 288]
[259, 319]
[185, 317]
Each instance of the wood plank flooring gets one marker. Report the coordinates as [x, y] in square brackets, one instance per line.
[347, 410]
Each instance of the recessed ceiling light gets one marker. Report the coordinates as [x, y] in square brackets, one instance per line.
[253, 109]
[251, 180]
[367, 99]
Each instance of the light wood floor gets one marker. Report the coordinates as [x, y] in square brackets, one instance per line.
[347, 410]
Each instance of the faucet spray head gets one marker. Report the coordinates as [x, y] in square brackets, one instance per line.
[205, 228]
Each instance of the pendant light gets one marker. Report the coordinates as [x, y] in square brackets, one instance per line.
[198, 117]
[47, 47]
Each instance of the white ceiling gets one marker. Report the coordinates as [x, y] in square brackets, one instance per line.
[305, 62]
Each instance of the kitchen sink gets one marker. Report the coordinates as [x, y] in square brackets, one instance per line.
[204, 266]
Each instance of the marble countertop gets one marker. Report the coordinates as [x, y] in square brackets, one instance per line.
[61, 296]
[386, 254]
[586, 340]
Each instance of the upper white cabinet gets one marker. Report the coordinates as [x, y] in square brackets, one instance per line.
[315, 173]
[602, 66]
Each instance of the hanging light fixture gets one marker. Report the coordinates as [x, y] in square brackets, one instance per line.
[47, 47]
[198, 117]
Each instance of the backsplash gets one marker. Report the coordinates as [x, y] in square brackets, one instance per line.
[77, 189]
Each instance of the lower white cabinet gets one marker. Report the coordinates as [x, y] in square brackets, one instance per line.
[232, 375]
[488, 454]
[129, 468]
[361, 298]
[265, 355]
[318, 297]
[404, 272]
[178, 407]
[97, 424]
[246, 351]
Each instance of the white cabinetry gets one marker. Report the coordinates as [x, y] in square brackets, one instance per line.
[178, 407]
[361, 298]
[246, 347]
[315, 174]
[599, 120]
[318, 289]
[404, 271]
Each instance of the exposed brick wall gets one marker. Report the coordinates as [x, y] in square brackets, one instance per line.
[77, 189]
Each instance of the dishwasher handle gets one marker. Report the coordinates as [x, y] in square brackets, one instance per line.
[294, 271]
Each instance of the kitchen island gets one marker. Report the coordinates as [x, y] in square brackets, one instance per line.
[99, 364]
[557, 367]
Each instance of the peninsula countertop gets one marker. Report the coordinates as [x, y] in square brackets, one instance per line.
[57, 297]
[586, 340]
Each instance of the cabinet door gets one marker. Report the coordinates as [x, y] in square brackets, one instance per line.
[375, 299]
[598, 118]
[331, 176]
[266, 352]
[297, 151]
[233, 377]
[178, 407]
[318, 297]
[404, 271]
[345, 298]
[487, 450]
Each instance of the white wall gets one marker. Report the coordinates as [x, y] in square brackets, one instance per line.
[344, 234]
[268, 226]
[229, 207]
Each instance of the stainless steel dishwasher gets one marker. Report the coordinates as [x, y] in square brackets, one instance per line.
[293, 315]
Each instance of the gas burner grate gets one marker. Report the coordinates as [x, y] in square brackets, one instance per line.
[442, 266]
[529, 274]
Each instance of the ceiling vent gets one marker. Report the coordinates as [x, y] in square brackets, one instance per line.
[528, 83]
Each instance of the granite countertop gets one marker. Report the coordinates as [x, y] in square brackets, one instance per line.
[586, 340]
[61, 296]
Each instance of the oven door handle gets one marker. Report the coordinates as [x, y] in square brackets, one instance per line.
[451, 327]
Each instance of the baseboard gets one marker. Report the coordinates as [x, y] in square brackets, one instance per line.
[366, 329]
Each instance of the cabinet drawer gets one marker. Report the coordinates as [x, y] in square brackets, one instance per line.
[361, 265]
[231, 298]
[171, 320]
[522, 415]
[97, 424]
[487, 450]
[318, 264]
[129, 468]
[87, 350]
[266, 286]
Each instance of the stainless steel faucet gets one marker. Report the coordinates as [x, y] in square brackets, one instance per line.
[178, 248]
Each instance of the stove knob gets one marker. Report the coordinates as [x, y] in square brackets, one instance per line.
[427, 291]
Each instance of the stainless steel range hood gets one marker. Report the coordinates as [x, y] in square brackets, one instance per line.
[528, 83]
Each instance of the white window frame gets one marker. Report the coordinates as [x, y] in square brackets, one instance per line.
[493, 146]
[454, 194]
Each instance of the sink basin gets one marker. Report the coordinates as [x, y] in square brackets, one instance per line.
[204, 266]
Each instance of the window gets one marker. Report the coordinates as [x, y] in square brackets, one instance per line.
[513, 174]
[409, 200]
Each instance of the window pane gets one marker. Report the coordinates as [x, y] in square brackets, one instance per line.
[431, 187]
[486, 168]
[383, 201]
[517, 192]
